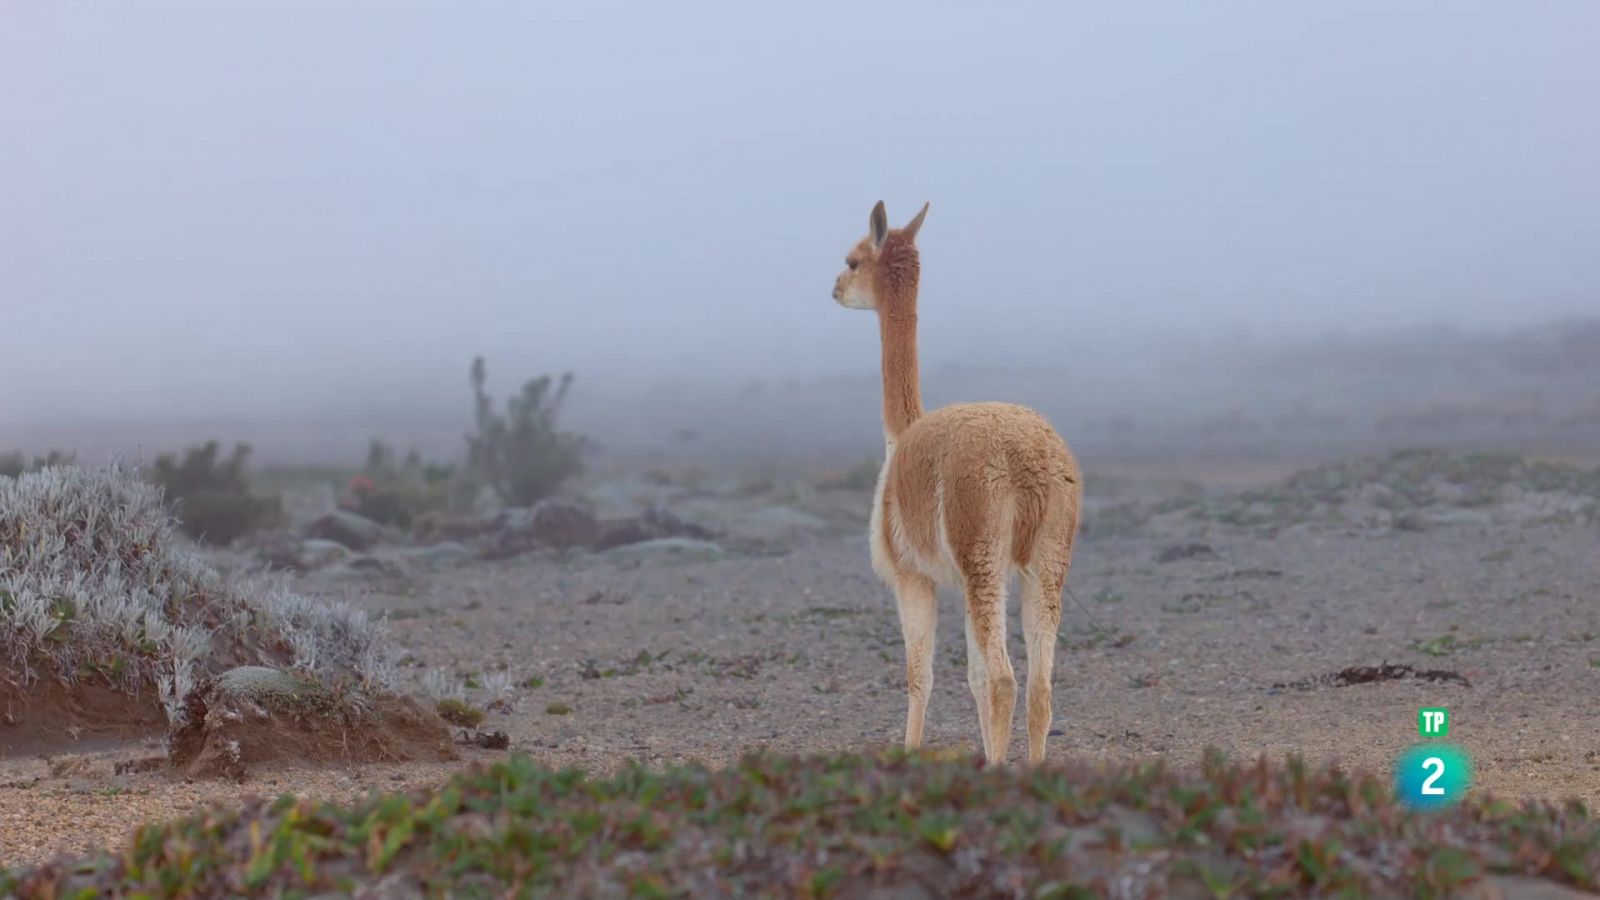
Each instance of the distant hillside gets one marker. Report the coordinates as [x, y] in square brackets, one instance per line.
[1531, 389]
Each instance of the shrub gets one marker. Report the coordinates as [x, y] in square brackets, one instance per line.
[523, 455]
[14, 464]
[211, 496]
[396, 494]
[381, 464]
[459, 712]
[94, 582]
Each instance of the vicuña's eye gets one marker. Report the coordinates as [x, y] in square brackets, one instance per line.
[852, 264]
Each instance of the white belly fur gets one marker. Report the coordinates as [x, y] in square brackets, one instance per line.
[885, 532]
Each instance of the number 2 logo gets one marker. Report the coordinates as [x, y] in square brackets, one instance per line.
[1437, 765]
[1432, 776]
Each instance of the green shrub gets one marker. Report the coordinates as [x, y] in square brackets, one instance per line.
[210, 495]
[219, 517]
[459, 712]
[397, 494]
[854, 826]
[523, 455]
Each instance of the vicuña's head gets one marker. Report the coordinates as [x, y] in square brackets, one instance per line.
[882, 268]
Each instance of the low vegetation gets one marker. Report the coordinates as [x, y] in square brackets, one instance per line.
[210, 494]
[15, 463]
[397, 492]
[95, 587]
[459, 712]
[846, 825]
[522, 454]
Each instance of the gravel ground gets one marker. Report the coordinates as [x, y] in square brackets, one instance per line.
[666, 659]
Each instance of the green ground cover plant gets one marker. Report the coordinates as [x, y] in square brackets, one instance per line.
[920, 825]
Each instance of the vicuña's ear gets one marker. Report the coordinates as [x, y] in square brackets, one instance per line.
[915, 224]
[880, 224]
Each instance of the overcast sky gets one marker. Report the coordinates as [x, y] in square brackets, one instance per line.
[264, 206]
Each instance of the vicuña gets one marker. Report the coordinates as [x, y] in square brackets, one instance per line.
[967, 494]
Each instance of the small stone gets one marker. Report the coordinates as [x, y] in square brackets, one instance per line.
[353, 531]
[688, 548]
[1176, 552]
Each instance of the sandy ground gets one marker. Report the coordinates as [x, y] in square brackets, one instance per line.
[665, 660]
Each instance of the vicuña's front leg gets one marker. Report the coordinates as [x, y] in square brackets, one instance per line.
[919, 616]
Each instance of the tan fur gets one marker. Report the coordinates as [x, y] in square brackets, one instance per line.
[967, 495]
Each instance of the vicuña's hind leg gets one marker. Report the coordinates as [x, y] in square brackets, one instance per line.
[978, 681]
[986, 607]
[1041, 623]
[919, 616]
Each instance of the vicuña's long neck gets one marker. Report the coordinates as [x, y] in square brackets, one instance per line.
[902, 386]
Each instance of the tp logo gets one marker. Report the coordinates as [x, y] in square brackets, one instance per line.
[1433, 721]
[1432, 775]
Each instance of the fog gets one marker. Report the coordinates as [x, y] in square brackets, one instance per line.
[298, 222]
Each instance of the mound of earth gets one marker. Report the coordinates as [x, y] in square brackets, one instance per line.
[108, 621]
[257, 716]
[49, 715]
